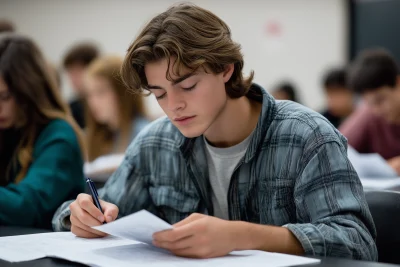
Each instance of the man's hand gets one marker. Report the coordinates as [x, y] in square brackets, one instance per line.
[395, 164]
[85, 214]
[198, 236]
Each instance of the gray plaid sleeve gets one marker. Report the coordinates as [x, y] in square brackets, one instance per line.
[61, 220]
[333, 215]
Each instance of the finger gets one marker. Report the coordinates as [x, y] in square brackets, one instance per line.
[82, 233]
[110, 211]
[193, 217]
[175, 234]
[76, 222]
[183, 243]
[85, 201]
[86, 218]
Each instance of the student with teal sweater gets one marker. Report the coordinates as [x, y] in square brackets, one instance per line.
[41, 164]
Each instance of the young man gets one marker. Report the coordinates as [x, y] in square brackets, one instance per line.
[231, 168]
[375, 127]
[340, 99]
[76, 60]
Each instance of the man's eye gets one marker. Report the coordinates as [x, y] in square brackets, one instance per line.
[161, 96]
[189, 88]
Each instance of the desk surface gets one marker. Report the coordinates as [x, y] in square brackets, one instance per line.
[49, 262]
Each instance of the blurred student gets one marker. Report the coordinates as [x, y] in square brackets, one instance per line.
[375, 127]
[114, 115]
[75, 62]
[229, 166]
[6, 26]
[40, 161]
[285, 91]
[340, 99]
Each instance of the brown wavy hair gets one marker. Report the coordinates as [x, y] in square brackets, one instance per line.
[196, 38]
[27, 76]
[100, 136]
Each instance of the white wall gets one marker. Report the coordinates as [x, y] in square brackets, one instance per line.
[312, 33]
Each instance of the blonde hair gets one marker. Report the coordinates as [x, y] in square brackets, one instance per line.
[99, 136]
[196, 38]
[26, 73]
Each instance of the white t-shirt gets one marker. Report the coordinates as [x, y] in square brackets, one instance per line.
[221, 164]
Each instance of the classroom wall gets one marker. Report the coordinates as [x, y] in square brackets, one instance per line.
[295, 39]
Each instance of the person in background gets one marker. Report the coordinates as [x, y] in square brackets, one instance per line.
[229, 166]
[375, 126]
[41, 146]
[6, 26]
[340, 99]
[114, 116]
[285, 91]
[55, 74]
[76, 60]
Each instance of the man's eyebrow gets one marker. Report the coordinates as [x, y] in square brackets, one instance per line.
[174, 82]
[153, 87]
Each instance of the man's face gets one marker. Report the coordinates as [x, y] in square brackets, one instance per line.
[75, 74]
[385, 102]
[193, 101]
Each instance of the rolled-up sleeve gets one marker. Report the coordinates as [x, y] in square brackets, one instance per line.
[332, 214]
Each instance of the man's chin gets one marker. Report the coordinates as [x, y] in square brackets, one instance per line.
[190, 132]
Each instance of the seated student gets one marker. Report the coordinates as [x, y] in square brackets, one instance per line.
[114, 116]
[285, 91]
[375, 126]
[340, 99]
[6, 26]
[230, 167]
[40, 160]
[76, 60]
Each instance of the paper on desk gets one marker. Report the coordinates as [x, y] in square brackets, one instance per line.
[380, 183]
[370, 165]
[99, 169]
[36, 246]
[139, 226]
[145, 255]
[114, 251]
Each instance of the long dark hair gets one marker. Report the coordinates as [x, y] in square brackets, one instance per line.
[27, 76]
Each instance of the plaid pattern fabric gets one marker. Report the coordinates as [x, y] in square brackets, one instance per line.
[295, 174]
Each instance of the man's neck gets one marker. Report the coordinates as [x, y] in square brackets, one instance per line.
[237, 121]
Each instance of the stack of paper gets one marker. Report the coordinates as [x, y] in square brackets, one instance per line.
[370, 165]
[116, 251]
[373, 170]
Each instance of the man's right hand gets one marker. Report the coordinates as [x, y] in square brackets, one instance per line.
[85, 214]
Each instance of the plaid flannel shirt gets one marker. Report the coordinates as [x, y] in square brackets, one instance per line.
[295, 174]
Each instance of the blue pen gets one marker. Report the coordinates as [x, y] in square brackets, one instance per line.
[94, 193]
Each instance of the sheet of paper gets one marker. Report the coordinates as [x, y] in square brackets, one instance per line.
[100, 169]
[370, 165]
[139, 226]
[114, 251]
[36, 246]
[381, 183]
[145, 255]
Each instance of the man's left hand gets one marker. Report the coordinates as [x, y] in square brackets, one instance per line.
[198, 236]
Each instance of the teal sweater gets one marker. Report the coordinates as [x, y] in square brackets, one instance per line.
[54, 176]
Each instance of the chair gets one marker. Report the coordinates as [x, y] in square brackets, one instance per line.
[385, 210]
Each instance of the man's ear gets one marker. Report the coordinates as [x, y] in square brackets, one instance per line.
[227, 74]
